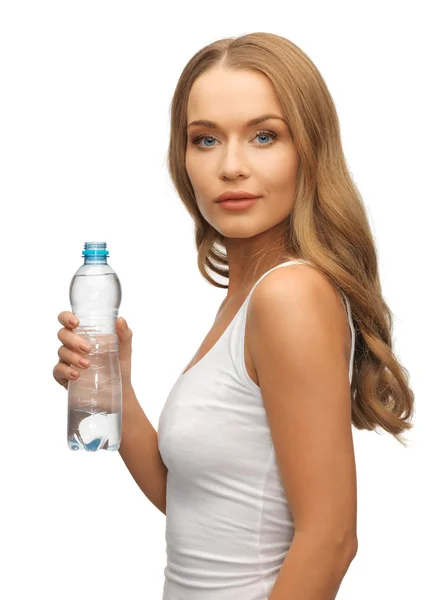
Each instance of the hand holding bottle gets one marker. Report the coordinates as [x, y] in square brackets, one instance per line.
[71, 354]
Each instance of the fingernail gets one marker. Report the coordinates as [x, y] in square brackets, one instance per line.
[74, 322]
[125, 323]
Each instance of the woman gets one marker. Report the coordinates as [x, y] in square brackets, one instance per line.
[253, 462]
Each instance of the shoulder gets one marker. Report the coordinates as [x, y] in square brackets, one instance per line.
[299, 278]
[299, 296]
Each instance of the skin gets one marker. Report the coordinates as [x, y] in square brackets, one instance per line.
[235, 157]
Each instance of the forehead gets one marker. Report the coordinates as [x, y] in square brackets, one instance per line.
[223, 95]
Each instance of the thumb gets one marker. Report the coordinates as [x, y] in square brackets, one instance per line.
[124, 333]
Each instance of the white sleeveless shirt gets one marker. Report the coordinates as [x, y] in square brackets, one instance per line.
[228, 524]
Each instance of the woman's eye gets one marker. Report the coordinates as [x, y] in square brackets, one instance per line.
[260, 134]
[204, 137]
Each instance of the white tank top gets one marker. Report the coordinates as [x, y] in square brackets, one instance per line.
[228, 524]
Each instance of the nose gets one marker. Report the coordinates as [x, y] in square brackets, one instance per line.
[233, 161]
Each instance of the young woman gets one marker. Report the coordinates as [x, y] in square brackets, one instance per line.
[253, 462]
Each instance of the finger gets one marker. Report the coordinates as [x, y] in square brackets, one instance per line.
[73, 341]
[63, 373]
[72, 358]
[68, 319]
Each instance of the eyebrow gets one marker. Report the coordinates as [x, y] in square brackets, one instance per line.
[248, 124]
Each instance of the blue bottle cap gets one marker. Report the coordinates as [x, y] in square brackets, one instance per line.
[95, 249]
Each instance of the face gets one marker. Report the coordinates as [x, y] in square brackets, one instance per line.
[233, 156]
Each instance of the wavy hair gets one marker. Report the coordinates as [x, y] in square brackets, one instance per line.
[327, 225]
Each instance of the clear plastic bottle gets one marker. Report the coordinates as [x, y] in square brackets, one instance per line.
[95, 397]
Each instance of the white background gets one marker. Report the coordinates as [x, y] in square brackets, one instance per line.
[84, 125]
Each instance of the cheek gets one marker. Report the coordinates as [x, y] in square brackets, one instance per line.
[280, 174]
[189, 167]
[200, 173]
[191, 159]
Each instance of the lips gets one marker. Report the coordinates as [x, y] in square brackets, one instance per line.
[235, 195]
[236, 199]
[238, 203]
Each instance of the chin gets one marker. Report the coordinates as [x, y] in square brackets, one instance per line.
[234, 227]
[240, 230]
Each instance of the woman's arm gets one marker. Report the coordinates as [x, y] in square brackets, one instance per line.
[139, 451]
[298, 334]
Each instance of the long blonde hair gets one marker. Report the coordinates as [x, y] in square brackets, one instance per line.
[328, 224]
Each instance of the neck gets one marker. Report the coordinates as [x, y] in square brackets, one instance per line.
[249, 258]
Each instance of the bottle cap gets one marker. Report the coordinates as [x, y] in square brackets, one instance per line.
[95, 249]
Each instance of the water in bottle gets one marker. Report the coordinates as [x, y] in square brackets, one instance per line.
[95, 397]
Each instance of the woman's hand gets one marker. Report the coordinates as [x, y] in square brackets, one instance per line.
[71, 353]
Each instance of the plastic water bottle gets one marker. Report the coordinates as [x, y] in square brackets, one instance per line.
[95, 397]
